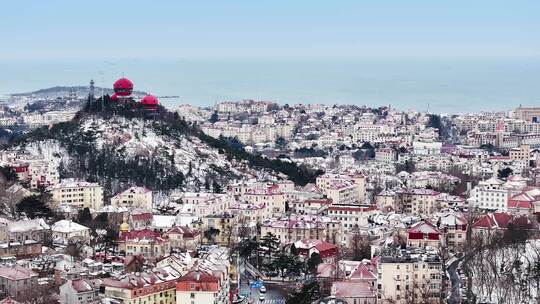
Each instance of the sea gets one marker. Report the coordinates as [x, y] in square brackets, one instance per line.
[434, 84]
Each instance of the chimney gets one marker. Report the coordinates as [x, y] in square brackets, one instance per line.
[197, 276]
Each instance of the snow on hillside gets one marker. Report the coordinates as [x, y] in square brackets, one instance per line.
[134, 139]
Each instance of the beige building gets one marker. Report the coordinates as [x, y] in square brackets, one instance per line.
[527, 114]
[151, 288]
[295, 227]
[521, 155]
[146, 242]
[78, 194]
[402, 277]
[343, 187]
[134, 197]
[16, 281]
[421, 202]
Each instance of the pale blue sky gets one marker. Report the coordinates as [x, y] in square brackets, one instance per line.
[180, 29]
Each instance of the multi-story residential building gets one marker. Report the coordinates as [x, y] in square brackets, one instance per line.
[149, 287]
[453, 227]
[386, 155]
[4, 231]
[387, 200]
[528, 114]
[421, 202]
[78, 194]
[521, 155]
[423, 234]
[306, 248]
[80, 291]
[16, 280]
[489, 194]
[343, 188]
[183, 237]
[134, 197]
[271, 196]
[20, 250]
[25, 230]
[227, 224]
[43, 173]
[66, 232]
[427, 147]
[146, 242]
[402, 276]
[203, 287]
[293, 228]
[351, 216]
[354, 292]
[310, 206]
[205, 204]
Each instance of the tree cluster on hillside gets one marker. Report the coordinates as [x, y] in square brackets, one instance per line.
[111, 167]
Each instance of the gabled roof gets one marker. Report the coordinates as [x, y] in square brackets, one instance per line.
[423, 227]
[185, 231]
[307, 244]
[85, 285]
[144, 235]
[500, 220]
[199, 277]
[364, 272]
[352, 290]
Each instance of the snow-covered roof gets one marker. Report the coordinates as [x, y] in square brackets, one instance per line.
[28, 225]
[67, 226]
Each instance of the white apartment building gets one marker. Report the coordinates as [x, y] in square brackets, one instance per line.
[402, 276]
[427, 147]
[204, 204]
[134, 197]
[67, 231]
[43, 173]
[351, 217]
[78, 194]
[489, 194]
[386, 155]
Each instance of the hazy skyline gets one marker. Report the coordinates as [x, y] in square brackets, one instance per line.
[179, 29]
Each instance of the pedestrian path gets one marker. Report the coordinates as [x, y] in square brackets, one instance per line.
[274, 301]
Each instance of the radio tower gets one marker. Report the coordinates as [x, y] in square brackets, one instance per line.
[91, 91]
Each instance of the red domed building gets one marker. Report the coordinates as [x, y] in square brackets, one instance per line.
[123, 88]
[150, 103]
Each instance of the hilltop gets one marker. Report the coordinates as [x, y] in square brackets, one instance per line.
[119, 145]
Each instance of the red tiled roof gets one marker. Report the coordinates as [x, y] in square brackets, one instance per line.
[501, 220]
[84, 285]
[423, 227]
[363, 272]
[198, 276]
[144, 234]
[142, 217]
[353, 290]
[185, 231]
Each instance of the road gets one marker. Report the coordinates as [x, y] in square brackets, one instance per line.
[274, 293]
[455, 297]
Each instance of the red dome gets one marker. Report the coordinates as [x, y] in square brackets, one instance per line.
[123, 87]
[149, 100]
